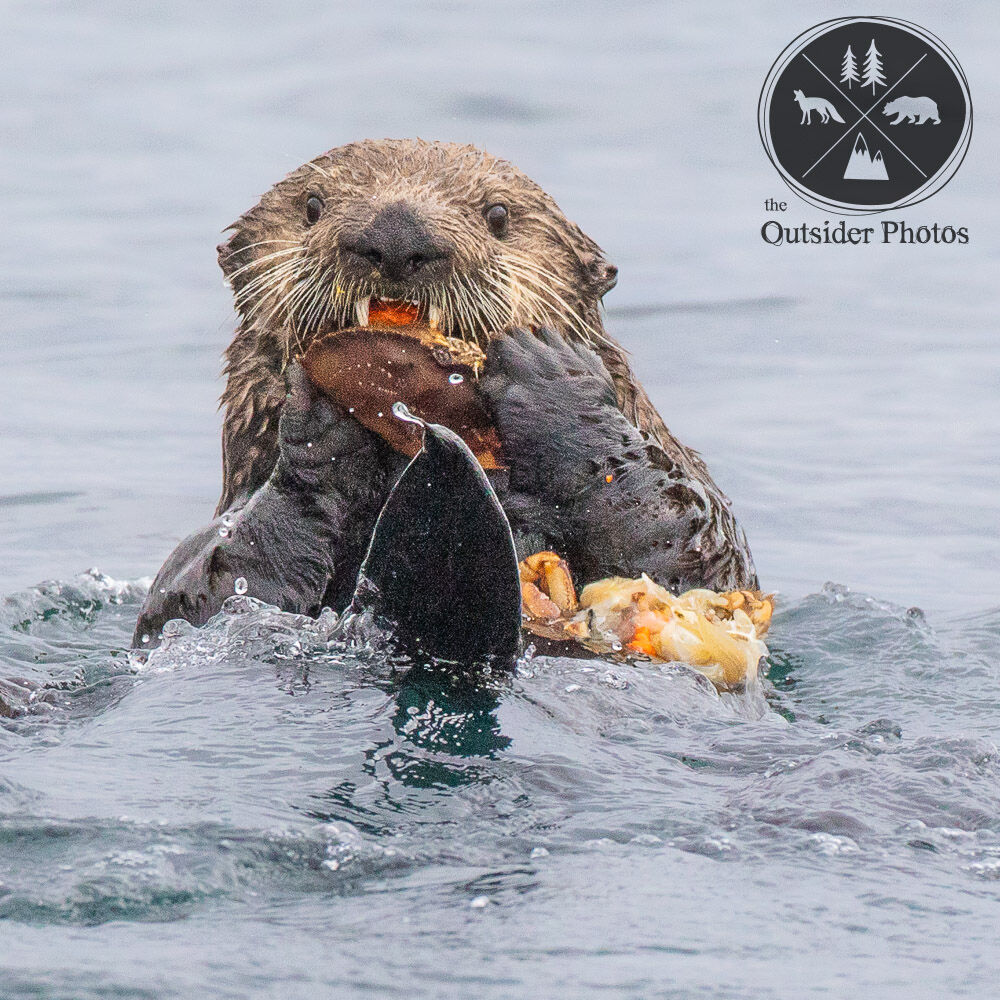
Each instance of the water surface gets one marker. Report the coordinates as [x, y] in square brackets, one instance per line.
[255, 814]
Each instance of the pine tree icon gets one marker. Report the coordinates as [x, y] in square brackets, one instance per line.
[873, 68]
[849, 70]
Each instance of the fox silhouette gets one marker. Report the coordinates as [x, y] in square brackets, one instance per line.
[821, 104]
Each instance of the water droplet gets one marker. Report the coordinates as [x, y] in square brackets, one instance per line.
[227, 519]
[380, 413]
[480, 902]
[145, 639]
[539, 852]
[309, 444]
[400, 412]
[350, 409]
[240, 585]
[455, 378]
[616, 646]
[223, 532]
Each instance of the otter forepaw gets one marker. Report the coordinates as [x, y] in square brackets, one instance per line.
[312, 433]
[540, 361]
[542, 379]
[551, 401]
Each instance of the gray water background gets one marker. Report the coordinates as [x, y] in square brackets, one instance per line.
[161, 836]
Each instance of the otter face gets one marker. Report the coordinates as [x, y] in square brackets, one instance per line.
[464, 237]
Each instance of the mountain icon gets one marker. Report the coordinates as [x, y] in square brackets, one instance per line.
[862, 166]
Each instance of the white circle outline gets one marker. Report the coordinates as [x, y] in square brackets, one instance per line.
[931, 186]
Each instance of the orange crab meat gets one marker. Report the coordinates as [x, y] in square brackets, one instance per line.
[642, 642]
[392, 313]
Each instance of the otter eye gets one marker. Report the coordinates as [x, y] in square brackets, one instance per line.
[497, 219]
[314, 209]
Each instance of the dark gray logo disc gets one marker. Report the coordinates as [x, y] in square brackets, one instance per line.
[866, 114]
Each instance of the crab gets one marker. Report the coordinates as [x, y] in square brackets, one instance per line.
[718, 634]
[434, 376]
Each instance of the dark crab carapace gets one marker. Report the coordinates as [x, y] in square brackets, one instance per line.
[367, 370]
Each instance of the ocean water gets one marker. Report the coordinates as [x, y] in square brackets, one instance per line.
[258, 813]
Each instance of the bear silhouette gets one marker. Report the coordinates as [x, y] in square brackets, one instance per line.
[915, 110]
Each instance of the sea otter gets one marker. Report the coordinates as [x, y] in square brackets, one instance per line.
[484, 255]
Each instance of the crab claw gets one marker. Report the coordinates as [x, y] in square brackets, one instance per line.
[441, 571]
[546, 583]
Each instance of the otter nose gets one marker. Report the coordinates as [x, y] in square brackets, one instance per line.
[396, 243]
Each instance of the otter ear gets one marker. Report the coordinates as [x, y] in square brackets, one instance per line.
[603, 276]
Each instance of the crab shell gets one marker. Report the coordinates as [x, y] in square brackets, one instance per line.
[365, 370]
[719, 635]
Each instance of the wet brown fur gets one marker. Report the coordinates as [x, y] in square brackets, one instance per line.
[290, 281]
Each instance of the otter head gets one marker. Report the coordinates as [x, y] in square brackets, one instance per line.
[467, 238]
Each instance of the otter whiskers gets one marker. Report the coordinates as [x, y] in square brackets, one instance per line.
[302, 295]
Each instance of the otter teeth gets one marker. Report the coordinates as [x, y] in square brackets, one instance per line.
[361, 311]
[433, 317]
